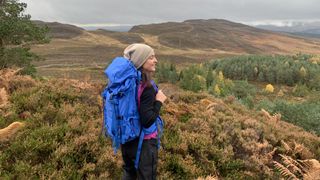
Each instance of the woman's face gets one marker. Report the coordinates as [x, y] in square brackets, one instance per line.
[150, 64]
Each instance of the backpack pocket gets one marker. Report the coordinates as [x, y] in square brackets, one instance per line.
[135, 126]
[110, 115]
[130, 129]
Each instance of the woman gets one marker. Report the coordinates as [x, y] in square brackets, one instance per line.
[144, 59]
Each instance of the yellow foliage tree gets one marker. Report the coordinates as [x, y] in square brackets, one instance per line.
[202, 81]
[217, 90]
[303, 72]
[280, 93]
[256, 71]
[269, 88]
[287, 64]
[220, 76]
[315, 59]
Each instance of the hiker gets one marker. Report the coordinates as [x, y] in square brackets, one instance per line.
[143, 57]
[132, 103]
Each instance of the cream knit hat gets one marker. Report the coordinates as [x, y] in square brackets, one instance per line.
[138, 53]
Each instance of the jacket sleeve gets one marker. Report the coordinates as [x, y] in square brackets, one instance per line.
[149, 107]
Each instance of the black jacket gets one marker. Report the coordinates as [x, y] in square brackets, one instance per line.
[149, 107]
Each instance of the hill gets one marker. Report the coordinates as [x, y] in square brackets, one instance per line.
[204, 136]
[305, 29]
[76, 53]
[225, 35]
[123, 37]
[59, 30]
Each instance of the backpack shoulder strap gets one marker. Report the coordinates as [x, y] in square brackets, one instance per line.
[141, 88]
[142, 134]
[155, 87]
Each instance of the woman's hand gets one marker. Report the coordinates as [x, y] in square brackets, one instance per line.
[161, 97]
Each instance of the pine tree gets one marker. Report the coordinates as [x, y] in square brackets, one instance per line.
[209, 79]
[220, 76]
[17, 33]
[302, 74]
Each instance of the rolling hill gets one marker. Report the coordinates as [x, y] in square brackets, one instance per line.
[74, 49]
[59, 30]
[225, 35]
[305, 29]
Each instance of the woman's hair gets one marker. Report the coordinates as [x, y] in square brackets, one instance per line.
[146, 77]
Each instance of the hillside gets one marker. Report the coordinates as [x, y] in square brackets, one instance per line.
[123, 37]
[225, 35]
[204, 136]
[305, 29]
[59, 30]
[76, 53]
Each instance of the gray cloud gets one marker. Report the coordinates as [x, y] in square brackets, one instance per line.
[153, 11]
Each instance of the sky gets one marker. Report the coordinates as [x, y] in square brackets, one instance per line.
[136, 12]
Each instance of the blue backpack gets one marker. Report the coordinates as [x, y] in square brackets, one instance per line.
[120, 106]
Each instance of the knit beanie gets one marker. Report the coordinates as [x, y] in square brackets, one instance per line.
[138, 53]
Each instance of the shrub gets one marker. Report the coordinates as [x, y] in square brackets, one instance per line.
[248, 101]
[194, 78]
[306, 114]
[242, 89]
[166, 72]
[269, 88]
[265, 104]
[217, 90]
[300, 90]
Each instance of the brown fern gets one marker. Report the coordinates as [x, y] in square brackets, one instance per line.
[208, 178]
[9, 131]
[292, 169]
[284, 171]
[276, 117]
[291, 164]
[286, 146]
[266, 114]
[3, 97]
[297, 147]
[312, 168]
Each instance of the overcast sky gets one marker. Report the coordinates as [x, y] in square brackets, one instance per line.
[133, 12]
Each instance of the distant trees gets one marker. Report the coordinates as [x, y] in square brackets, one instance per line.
[277, 69]
[290, 70]
[193, 78]
[17, 33]
[166, 72]
[300, 71]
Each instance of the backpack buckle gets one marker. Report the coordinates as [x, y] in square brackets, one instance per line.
[111, 97]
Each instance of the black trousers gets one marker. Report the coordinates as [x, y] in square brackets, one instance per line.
[147, 169]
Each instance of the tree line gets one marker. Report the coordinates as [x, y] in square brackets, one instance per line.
[275, 69]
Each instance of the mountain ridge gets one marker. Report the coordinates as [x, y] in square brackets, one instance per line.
[217, 34]
[304, 29]
[191, 41]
